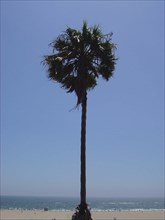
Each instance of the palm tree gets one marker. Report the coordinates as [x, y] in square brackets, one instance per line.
[79, 58]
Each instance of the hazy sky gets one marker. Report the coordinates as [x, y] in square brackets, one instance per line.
[40, 136]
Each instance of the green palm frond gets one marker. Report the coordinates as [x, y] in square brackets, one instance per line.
[80, 57]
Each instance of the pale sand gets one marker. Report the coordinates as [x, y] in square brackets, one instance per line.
[66, 215]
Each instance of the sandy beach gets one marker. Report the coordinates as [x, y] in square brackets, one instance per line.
[66, 215]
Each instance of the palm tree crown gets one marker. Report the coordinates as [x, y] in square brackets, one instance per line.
[79, 58]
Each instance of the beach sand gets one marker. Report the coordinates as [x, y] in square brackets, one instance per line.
[66, 215]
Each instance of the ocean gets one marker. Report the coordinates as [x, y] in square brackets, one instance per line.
[97, 204]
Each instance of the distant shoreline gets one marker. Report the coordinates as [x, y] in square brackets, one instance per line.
[92, 209]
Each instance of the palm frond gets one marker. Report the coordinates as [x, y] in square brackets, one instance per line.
[80, 57]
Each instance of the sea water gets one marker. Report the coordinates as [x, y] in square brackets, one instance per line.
[98, 204]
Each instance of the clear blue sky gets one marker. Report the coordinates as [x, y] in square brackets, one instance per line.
[40, 137]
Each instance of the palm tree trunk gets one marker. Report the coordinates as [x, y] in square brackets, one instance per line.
[83, 152]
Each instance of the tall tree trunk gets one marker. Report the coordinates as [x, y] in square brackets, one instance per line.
[83, 152]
